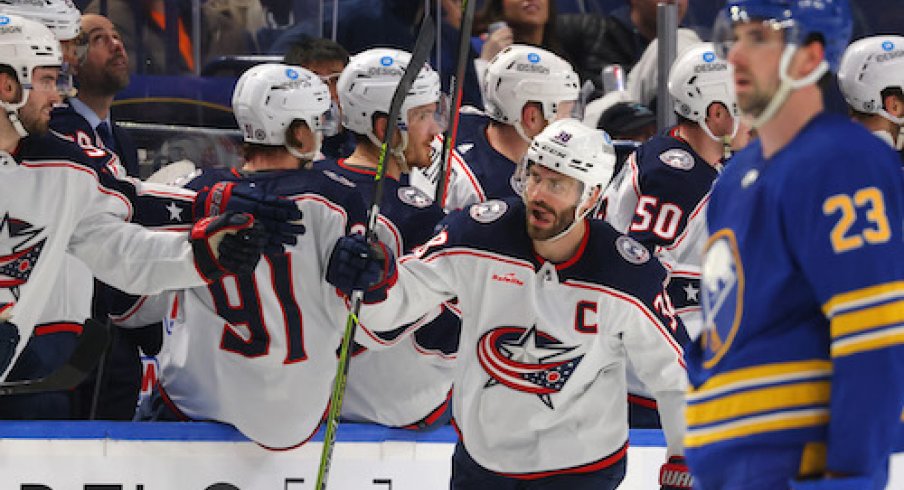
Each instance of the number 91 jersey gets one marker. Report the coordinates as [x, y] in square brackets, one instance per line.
[803, 300]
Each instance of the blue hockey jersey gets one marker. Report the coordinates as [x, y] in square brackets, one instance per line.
[803, 296]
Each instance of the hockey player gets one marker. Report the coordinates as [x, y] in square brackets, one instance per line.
[554, 306]
[798, 376]
[871, 77]
[407, 385]
[54, 200]
[667, 181]
[259, 352]
[525, 88]
[63, 18]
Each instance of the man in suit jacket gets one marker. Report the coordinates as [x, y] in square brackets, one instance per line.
[102, 71]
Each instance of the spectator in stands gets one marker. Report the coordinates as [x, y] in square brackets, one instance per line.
[101, 72]
[326, 59]
[143, 27]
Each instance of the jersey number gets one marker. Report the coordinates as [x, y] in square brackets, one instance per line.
[249, 312]
[661, 220]
[870, 199]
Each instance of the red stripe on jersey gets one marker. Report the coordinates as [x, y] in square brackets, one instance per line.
[577, 254]
[659, 326]
[587, 468]
[642, 401]
[632, 160]
[130, 312]
[52, 328]
[432, 417]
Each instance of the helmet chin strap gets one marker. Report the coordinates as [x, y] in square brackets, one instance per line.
[398, 152]
[788, 85]
[12, 112]
[578, 217]
[307, 157]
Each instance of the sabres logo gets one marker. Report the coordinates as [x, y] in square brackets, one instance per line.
[527, 360]
[19, 252]
[722, 287]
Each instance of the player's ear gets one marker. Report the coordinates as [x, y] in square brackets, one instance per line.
[8, 87]
[380, 121]
[591, 202]
[894, 104]
[532, 118]
[806, 59]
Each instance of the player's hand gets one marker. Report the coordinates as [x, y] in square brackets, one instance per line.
[356, 265]
[279, 216]
[846, 483]
[230, 243]
[496, 41]
[675, 475]
[9, 339]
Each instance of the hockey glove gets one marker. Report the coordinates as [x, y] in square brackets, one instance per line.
[9, 339]
[279, 216]
[230, 243]
[356, 265]
[848, 483]
[675, 475]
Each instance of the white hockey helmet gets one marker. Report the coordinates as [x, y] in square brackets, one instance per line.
[520, 74]
[869, 66]
[699, 78]
[367, 83]
[571, 148]
[61, 16]
[24, 46]
[269, 97]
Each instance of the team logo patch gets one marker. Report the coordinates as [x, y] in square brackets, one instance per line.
[527, 360]
[721, 287]
[487, 212]
[19, 252]
[386, 60]
[888, 46]
[413, 196]
[677, 158]
[533, 58]
[631, 250]
[709, 57]
[291, 73]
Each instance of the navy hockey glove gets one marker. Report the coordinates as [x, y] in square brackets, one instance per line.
[847, 483]
[279, 216]
[9, 339]
[230, 243]
[356, 265]
[675, 475]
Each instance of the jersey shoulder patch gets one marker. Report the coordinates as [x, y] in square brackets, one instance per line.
[677, 158]
[631, 250]
[489, 211]
[413, 196]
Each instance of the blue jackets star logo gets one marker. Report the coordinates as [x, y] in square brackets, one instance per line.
[526, 360]
[17, 256]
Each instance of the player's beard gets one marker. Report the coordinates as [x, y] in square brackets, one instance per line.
[755, 101]
[563, 219]
[34, 119]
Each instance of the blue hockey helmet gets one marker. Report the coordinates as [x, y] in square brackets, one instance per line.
[799, 19]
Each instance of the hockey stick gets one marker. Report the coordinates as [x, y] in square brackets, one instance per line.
[418, 58]
[92, 343]
[457, 86]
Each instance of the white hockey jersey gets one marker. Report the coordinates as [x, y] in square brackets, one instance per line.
[52, 202]
[540, 381]
[260, 352]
